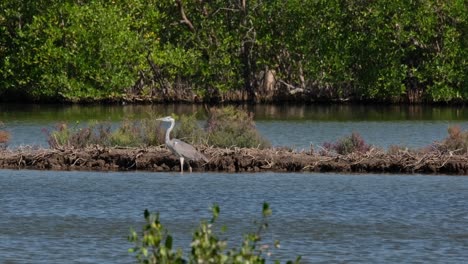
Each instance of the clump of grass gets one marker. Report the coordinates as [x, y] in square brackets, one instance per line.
[152, 132]
[189, 131]
[60, 137]
[147, 132]
[66, 136]
[128, 134]
[228, 127]
[348, 144]
[455, 142]
[225, 127]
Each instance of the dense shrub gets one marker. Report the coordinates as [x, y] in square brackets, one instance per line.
[147, 132]
[231, 127]
[151, 131]
[189, 131]
[154, 243]
[129, 134]
[456, 141]
[79, 137]
[226, 127]
[348, 144]
[383, 50]
[67, 50]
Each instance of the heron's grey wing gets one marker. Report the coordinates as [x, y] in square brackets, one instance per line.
[187, 151]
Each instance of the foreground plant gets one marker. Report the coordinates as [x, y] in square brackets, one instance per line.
[154, 244]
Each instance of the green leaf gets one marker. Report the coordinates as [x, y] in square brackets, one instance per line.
[266, 210]
[215, 212]
[168, 243]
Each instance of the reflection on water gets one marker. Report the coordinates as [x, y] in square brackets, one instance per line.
[84, 217]
[73, 113]
[322, 112]
[348, 112]
[297, 126]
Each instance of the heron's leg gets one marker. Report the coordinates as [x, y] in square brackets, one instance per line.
[181, 164]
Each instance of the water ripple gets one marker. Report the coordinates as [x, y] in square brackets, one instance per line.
[84, 217]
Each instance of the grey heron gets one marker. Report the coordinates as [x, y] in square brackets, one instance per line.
[180, 148]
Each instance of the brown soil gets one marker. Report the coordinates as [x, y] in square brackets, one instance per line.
[233, 160]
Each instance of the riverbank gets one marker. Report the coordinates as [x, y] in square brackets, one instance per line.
[159, 159]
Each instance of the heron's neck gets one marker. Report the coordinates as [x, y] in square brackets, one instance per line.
[168, 131]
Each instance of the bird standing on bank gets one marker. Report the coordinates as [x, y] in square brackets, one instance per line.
[180, 148]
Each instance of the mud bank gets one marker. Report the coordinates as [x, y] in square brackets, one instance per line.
[233, 160]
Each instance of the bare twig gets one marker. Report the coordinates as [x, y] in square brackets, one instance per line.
[185, 20]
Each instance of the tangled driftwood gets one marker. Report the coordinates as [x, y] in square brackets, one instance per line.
[234, 160]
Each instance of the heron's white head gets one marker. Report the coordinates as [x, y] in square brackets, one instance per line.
[166, 119]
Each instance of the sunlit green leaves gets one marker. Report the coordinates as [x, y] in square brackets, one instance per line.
[206, 246]
[87, 50]
[78, 51]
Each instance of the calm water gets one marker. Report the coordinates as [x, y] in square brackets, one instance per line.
[84, 217]
[294, 126]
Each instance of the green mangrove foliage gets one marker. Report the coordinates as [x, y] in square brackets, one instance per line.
[378, 50]
[226, 127]
[154, 244]
[68, 50]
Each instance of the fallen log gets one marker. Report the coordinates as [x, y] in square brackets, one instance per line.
[233, 160]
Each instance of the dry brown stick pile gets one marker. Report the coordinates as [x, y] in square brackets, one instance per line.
[234, 160]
